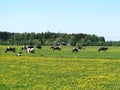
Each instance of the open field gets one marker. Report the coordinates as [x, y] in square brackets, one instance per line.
[60, 70]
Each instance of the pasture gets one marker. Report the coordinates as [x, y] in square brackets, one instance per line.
[61, 69]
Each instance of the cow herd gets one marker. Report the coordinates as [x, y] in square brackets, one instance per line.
[28, 48]
[31, 49]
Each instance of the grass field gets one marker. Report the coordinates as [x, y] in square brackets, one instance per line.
[60, 70]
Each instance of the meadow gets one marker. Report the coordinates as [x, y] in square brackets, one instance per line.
[60, 70]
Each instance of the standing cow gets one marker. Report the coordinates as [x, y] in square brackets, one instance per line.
[102, 49]
[30, 50]
[26, 46]
[10, 49]
[55, 48]
[75, 50]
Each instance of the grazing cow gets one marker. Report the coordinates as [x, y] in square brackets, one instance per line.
[10, 49]
[57, 48]
[102, 49]
[30, 50]
[75, 50]
[80, 47]
[19, 54]
[39, 47]
[25, 47]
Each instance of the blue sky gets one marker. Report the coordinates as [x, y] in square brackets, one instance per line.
[99, 17]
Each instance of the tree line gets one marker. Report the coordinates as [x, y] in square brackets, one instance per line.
[50, 38]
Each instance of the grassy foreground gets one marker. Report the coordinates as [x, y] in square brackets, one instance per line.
[60, 70]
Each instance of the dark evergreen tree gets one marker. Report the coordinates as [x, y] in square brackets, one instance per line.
[50, 38]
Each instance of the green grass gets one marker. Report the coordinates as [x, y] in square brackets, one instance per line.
[60, 70]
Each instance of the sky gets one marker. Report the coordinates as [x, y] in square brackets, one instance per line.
[99, 17]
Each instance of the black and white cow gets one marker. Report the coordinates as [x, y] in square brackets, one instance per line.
[19, 54]
[55, 47]
[102, 49]
[30, 50]
[10, 49]
[26, 46]
[75, 50]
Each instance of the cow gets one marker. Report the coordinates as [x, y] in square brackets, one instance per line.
[26, 46]
[75, 50]
[30, 50]
[10, 49]
[55, 47]
[102, 49]
[19, 54]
